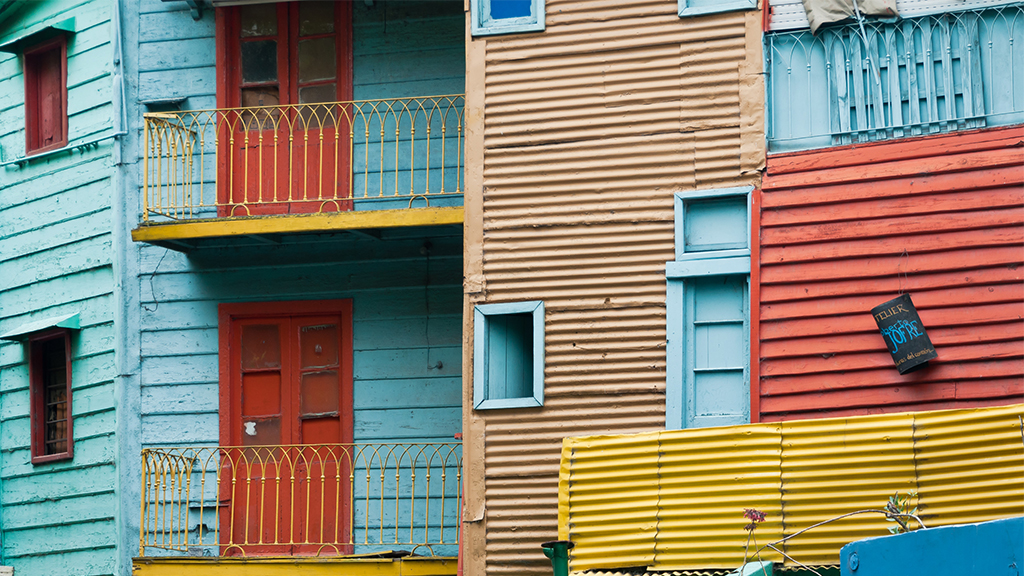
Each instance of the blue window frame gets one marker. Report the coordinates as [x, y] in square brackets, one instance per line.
[508, 355]
[506, 16]
[698, 7]
[708, 310]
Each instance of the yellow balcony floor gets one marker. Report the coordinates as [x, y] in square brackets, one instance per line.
[298, 566]
[181, 232]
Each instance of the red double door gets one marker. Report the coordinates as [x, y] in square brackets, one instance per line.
[286, 412]
[294, 157]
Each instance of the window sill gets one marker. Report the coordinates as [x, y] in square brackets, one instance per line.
[22, 161]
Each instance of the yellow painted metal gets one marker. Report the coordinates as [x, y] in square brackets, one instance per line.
[965, 466]
[298, 223]
[294, 566]
[324, 497]
[232, 161]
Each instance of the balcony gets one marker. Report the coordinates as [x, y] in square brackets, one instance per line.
[373, 503]
[917, 76]
[302, 168]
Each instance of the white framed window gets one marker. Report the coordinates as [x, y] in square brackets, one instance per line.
[491, 17]
[708, 310]
[699, 7]
[508, 355]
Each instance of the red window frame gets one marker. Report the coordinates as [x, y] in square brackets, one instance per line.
[35, 80]
[229, 69]
[37, 397]
[230, 398]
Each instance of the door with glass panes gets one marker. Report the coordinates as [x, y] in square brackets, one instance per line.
[286, 414]
[284, 144]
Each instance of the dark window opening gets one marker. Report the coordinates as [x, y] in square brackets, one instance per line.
[50, 372]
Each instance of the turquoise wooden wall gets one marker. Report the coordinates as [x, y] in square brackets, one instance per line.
[407, 329]
[400, 393]
[56, 257]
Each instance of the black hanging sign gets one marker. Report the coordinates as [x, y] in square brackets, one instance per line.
[901, 327]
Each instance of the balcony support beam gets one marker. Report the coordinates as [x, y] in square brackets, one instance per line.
[176, 232]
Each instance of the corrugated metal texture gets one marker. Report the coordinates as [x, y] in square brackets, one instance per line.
[843, 230]
[707, 478]
[969, 482]
[966, 465]
[613, 495]
[589, 129]
[831, 467]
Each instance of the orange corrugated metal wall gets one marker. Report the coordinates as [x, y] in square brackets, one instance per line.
[589, 129]
[845, 229]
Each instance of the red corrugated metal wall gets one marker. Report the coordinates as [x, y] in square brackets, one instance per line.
[845, 229]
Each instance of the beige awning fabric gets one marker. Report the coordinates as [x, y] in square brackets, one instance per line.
[826, 11]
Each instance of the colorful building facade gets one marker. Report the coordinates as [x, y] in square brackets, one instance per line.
[243, 230]
[61, 320]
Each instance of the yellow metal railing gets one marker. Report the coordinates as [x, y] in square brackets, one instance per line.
[329, 499]
[303, 158]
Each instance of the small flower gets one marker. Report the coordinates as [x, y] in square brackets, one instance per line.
[755, 516]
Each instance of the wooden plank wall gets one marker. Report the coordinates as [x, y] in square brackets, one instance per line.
[400, 393]
[56, 258]
[399, 49]
[589, 129]
[407, 335]
[845, 229]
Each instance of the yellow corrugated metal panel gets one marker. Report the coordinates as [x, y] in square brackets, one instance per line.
[614, 514]
[707, 479]
[834, 466]
[966, 466]
[970, 481]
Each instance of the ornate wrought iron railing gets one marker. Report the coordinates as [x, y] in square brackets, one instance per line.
[302, 158]
[330, 499]
[921, 75]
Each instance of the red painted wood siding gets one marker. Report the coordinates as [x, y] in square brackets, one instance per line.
[844, 229]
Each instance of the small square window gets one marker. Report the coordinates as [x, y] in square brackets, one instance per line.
[46, 96]
[507, 16]
[50, 396]
[508, 355]
[698, 7]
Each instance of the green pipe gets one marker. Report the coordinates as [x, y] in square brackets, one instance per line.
[558, 552]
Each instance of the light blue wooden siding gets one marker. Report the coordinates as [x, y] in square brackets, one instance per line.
[921, 75]
[716, 381]
[400, 50]
[56, 258]
[407, 351]
[407, 355]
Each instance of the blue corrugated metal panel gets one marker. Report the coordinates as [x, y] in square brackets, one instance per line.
[989, 548]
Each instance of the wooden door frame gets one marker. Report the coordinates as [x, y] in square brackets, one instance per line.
[230, 400]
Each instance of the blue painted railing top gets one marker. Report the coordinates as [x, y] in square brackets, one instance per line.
[916, 76]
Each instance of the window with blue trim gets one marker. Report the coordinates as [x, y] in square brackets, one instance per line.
[508, 355]
[698, 7]
[506, 16]
[708, 310]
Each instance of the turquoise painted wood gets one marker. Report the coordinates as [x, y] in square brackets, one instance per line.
[57, 257]
[400, 49]
[708, 310]
[921, 75]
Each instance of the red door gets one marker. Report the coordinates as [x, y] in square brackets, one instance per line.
[293, 157]
[286, 413]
